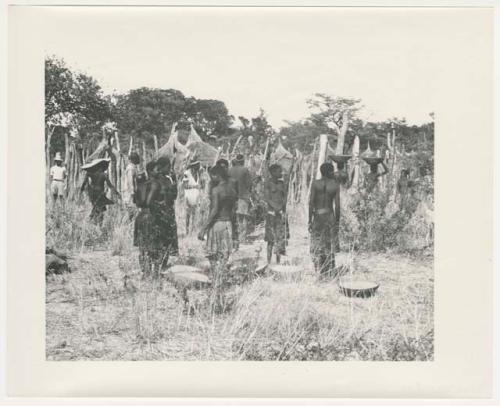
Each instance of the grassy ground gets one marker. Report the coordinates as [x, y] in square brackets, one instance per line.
[104, 311]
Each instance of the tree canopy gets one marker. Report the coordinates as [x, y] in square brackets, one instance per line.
[74, 100]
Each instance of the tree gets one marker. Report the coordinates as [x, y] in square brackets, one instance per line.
[73, 101]
[300, 135]
[145, 112]
[209, 117]
[260, 128]
[334, 113]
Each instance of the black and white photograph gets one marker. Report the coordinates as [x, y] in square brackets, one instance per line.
[238, 185]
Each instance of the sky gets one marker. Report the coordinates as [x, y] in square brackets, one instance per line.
[253, 58]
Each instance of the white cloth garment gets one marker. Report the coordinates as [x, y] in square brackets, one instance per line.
[58, 173]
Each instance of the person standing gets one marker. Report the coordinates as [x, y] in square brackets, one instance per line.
[243, 181]
[371, 178]
[129, 188]
[160, 200]
[57, 178]
[324, 217]
[192, 184]
[276, 230]
[218, 228]
[144, 231]
[233, 183]
[95, 181]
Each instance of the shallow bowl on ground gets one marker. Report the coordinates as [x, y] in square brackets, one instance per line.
[340, 158]
[188, 276]
[358, 288]
[372, 160]
[286, 272]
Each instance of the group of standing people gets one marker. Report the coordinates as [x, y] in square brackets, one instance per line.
[150, 198]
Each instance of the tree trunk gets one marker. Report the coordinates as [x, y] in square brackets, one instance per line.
[50, 131]
[339, 150]
[323, 142]
[356, 168]
[130, 145]
[156, 143]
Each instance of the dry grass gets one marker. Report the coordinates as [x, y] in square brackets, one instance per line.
[103, 310]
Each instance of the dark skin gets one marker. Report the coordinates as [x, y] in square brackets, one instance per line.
[221, 206]
[372, 177]
[325, 194]
[98, 178]
[161, 184]
[276, 175]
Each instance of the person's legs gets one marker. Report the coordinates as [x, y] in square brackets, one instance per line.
[53, 191]
[269, 252]
[188, 218]
[242, 228]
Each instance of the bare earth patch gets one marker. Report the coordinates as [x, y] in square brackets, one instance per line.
[104, 311]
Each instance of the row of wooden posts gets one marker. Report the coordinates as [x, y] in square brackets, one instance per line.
[75, 156]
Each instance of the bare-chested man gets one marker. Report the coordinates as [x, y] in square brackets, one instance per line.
[324, 217]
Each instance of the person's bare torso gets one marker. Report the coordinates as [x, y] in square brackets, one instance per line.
[226, 198]
[324, 194]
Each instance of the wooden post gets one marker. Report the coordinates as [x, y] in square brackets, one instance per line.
[356, 169]
[323, 142]
[117, 141]
[50, 131]
[144, 155]
[130, 145]
[156, 143]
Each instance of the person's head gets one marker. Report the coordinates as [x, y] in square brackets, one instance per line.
[223, 162]
[134, 158]
[163, 165]
[340, 166]
[102, 166]
[239, 160]
[326, 170]
[405, 173]
[373, 168]
[150, 168]
[218, 174]
[58, 159]
[276, 171]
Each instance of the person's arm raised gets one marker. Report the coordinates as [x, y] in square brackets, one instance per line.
[385, 169]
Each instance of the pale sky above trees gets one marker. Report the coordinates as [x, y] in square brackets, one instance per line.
[251, 58]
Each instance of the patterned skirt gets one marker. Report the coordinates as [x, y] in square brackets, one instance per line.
[323, 235]
[220, 239]
[277, 231]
